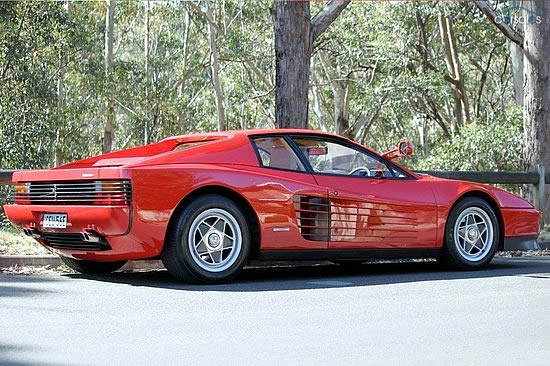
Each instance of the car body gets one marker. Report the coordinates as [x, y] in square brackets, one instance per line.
[302, 194]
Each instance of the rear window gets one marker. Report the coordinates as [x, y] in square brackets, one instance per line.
[274, 152]
[187, 145]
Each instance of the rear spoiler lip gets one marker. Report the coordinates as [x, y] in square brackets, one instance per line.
[70, 174]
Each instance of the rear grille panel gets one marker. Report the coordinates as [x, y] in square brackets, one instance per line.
[93, 192]
[72, 241]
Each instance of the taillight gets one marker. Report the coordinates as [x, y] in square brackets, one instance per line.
[22, 193]
[114, 193]
[92, 192]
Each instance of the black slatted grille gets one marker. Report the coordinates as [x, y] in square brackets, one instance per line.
[95, 192]
[313, 214]
[72, 241]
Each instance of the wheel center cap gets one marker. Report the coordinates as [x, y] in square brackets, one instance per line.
[214, 240]
[473, 234]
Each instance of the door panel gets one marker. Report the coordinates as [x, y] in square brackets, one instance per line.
[380, 213]
[288, 198]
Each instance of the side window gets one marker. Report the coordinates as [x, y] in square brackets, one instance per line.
[274, 152]
[329, 157]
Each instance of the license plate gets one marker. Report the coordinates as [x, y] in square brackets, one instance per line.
[55, 221]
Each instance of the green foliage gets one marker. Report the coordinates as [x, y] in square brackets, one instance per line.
[33, 35]
[481, 147]
[373, 47]
[6, 194]
[397, 83]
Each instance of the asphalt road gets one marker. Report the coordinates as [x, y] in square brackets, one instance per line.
[376, 314]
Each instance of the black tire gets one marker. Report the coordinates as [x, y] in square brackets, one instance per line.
[177, 255]
[455, 257]
[90, 267]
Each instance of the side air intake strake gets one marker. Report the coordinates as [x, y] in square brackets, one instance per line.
[323, 219]
[313, 214]
[86, 192]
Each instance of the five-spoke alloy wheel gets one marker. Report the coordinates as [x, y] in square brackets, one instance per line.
[208, 241]
[471, 235]
[215, 240]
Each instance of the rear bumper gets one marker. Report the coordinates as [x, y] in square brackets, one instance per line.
[521, 243]
[124, 239]
[106, 220]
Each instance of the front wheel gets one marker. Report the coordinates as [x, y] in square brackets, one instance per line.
[90, 267]
[471, 235]
[207, 242]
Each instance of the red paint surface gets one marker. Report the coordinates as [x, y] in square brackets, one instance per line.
[365, 212]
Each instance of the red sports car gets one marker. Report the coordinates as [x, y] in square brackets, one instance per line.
[207, 203]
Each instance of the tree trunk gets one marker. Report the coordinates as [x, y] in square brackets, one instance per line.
[215, 69]
[294, 35]
[147, 74]
[317, 102]
[187, 21]
[516, 56]
[293, 38]
[60, 107]
[537, 97]
[462, 106]
[341, 93]
[108, 134]
[61, 98]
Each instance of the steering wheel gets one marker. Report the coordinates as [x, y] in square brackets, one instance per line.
[264, 150]
[366, 171]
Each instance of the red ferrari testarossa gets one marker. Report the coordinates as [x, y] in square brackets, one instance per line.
[207, 203]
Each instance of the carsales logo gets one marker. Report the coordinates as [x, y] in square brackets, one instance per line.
[517, 15]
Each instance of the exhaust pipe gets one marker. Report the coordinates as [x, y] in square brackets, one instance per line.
[32, 232]
[89, 237]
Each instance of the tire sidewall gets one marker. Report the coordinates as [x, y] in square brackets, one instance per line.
[450, 246]
[182, 234]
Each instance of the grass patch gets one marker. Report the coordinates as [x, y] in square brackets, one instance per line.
[14, 242]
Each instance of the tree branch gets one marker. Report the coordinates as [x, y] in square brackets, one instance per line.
[203, 14]
[326, 16]
[250, 66]
[505, 29]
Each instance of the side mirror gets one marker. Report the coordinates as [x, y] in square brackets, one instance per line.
[404, 148]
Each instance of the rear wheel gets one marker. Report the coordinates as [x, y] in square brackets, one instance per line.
[471, 234]
[83, 266]
[207, 242]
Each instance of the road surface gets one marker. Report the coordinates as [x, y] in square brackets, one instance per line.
[391, 314]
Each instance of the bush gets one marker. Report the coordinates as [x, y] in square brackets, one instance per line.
[5, 197]
[492, 147]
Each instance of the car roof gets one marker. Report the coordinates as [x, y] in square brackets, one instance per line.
[209, 136]
[251, 132]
